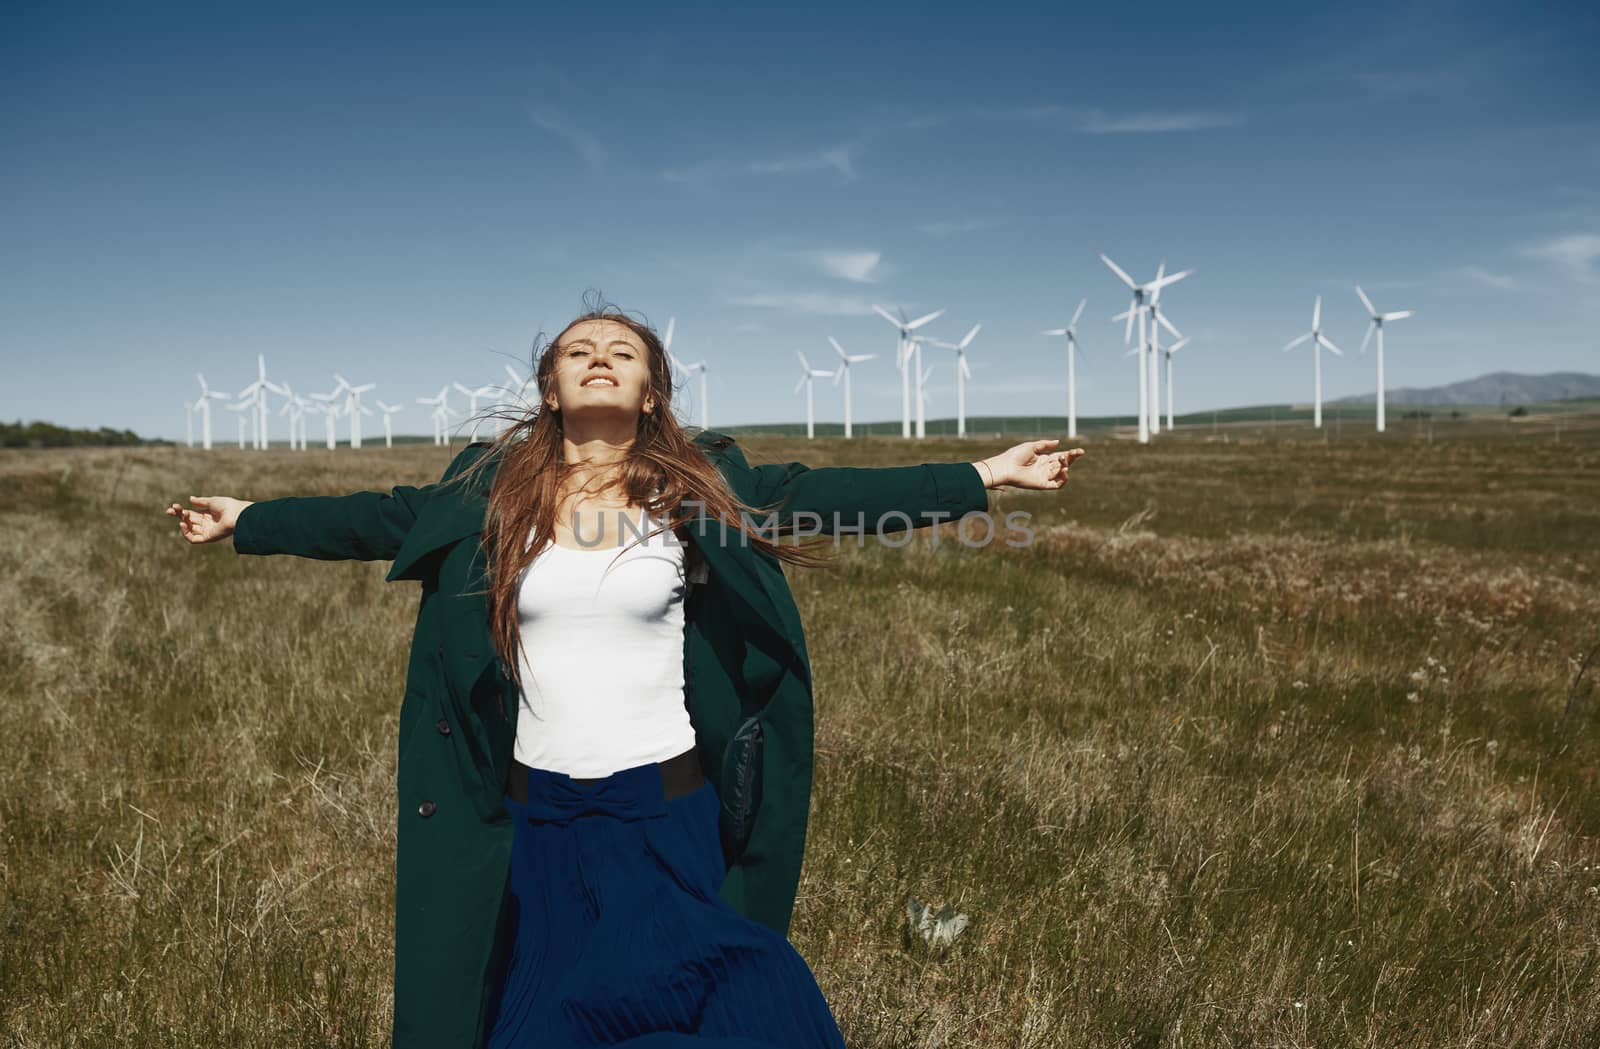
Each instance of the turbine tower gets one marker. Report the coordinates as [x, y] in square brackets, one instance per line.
[256, 393]
[903, 351]
[388, 429]
[203, 406]
[353, 406]
[1174, 348]
[1071, 332]
[963, 373]
[1378, 321]
[330, 412]
[440, 402]
[472, 403]
[1136, 309]
[241, 407]
[843, 372]
[1318, 343]
[807, 374]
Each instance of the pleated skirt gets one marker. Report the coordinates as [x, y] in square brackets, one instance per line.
[619, 937]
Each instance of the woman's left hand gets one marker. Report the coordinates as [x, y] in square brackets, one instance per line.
[1032, 464]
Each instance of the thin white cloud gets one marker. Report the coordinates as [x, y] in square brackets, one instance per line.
[1086, 120]
[838, 159]
[583, 143]
[1577, 253]
[952, 227]
[821, 303]
[858, 266]
[1095, 122]
[1500, 281]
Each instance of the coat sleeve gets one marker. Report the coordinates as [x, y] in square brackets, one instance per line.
[878, 499]
[362, 526]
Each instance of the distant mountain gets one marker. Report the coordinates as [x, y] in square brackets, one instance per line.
[1494, 388]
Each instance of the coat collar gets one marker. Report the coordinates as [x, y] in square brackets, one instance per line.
[458, 511]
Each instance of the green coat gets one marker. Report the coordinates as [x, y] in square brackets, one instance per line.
[745, 664]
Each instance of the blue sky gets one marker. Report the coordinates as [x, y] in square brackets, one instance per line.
[408, 195]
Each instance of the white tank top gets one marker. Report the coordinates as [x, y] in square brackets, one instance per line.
[602, 654]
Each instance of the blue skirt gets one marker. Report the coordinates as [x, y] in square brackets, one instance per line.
[620, 937]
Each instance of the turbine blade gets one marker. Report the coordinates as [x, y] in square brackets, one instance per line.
[886, 315]
[1366, 301]
[920, 321]
[837, 348]
[1058, 331]
[1316, 315]
[1161, 318]
[970, 335]
[1327, 344]
[1368, 337]
[1117, 270]
[1400, 316]
[1289, 346]
[1078, 313]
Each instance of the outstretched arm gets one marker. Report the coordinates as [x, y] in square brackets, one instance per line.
[927, 493]
[364, 526]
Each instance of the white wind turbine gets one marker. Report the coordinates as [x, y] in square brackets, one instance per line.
[440, 403]
[294, 406]
[257, 392]
[241, 407]
[1174, 348]
[1158, 320]
[809, 373]
[689, 371]
[330, 411]
[1071, 332]
[1318, 343]
[1136, 309]
[353, 406]
[388, 429]
[1378, 321]
[843, 372]
[472, 403]
[519, 387]
[904, 350]
[963, 373]
[203, 406]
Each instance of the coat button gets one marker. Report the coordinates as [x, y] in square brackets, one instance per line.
[443, 726]
[426, 809]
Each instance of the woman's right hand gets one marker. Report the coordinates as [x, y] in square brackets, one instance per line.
[214, 518]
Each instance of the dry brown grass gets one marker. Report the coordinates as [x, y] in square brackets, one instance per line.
[1256, 744]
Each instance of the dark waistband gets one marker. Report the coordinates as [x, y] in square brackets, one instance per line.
[679, 776]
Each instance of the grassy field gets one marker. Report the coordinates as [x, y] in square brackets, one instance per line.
[1258, 743]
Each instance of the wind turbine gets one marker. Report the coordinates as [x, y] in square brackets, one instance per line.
[1071, 332]
[353, 406]
[843, 372]
[1174, 348]
[1158, 320]
[330, 412]
[294, 406]
[1378, 321]
[472, 403]
[1136, 309]
[1318, 342]
[903, 351]
[203, 406]
[441, 411]
[689, 371]
[963, 373]
[257, 393]
[241, 407]
[809, 373]
[388, 430]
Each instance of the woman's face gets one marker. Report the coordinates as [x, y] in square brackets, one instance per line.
[602, 368]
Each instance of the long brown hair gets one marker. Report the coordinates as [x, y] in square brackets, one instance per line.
[662, 468]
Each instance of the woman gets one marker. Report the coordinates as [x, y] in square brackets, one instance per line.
[605, 741]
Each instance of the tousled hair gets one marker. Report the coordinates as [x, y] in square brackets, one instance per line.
[662, 468]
